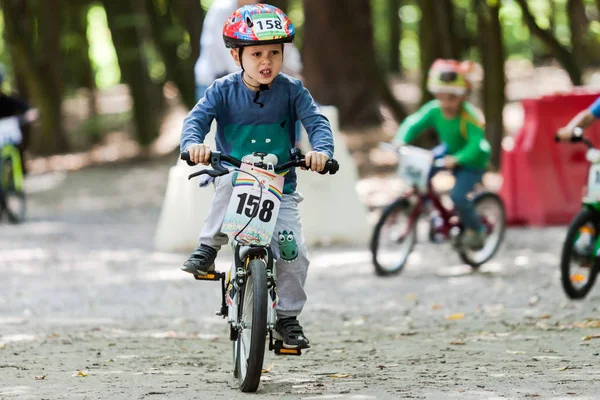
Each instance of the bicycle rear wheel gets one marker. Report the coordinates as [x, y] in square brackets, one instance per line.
[490, 208]
[253, 326]
[394, 238]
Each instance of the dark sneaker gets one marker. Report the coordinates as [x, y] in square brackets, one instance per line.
[473, 239]
[201, 261]
[290, 332]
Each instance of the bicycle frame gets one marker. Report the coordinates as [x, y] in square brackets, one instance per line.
[448, 215]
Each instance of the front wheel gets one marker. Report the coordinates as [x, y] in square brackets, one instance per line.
[12, 197]
[252, 327]
[579, 264]
[490, 209]
[394, 237]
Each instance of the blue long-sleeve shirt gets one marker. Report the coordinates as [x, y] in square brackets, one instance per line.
[244, 127]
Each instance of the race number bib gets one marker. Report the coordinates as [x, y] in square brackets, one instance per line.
[268, 26]
[246, 202]
[10, 131]
[594, 182]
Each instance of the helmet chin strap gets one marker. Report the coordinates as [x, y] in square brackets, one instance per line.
[261, 87]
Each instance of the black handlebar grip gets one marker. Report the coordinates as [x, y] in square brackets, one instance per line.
[556, 138]
[185, 156]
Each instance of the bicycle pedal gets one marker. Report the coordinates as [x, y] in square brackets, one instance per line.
[213, 276]
[279, 350]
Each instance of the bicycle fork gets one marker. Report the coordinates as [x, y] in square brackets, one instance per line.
[230, 289]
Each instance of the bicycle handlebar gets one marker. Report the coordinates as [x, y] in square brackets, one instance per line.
[216, 157]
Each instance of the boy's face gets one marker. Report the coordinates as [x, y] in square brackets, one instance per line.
[450, 104]
[262, 63]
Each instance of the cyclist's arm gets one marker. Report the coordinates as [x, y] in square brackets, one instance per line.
[583, 119]
[416, 123]
[475, 147]
[197, 124]
[316, 124]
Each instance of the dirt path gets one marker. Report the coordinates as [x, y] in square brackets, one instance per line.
[82, 290]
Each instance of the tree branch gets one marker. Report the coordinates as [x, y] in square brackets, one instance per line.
[562, 54]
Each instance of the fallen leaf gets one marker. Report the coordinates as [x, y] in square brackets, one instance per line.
[338, 375]
[454, 317]
[545, 316]
[588, 324]
[39, 378]
[381, 366]
[457, 342]
[436, 306]
[267, 369]
[566, 367]
[81, 373]
[410, 296]
[591, 337]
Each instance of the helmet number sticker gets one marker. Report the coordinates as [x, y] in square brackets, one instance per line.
[268, 26]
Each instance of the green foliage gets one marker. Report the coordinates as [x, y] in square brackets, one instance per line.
[102, 51]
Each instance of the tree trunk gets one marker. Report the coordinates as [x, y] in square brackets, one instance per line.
[492, 52]
[579, 24]
[42, 78]
[436, 35]
[395, 35]
[190, 12]
[350, 79]
[427, 43]
[78, 60]
[562, 54]
[127, 39]
[167, 36]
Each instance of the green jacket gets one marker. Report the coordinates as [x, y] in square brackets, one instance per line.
[464, 136]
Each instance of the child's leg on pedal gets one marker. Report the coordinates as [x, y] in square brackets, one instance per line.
[466, 179]
[291, 267]
[211, 238]
[292, 262]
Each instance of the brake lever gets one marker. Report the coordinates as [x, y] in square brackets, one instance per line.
[209, 172]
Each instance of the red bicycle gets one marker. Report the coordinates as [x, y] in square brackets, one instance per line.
[395, 234]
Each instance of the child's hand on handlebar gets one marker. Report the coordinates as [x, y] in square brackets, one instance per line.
[316, 160]
[199, 153]
[564, 133]
[450, 162]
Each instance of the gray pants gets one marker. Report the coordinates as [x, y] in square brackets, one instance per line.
[287, 244]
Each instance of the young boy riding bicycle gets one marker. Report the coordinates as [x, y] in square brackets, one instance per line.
[256, 110]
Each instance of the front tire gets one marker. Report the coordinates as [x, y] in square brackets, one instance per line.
[576, 286]
[252, 334]
[394, 238]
